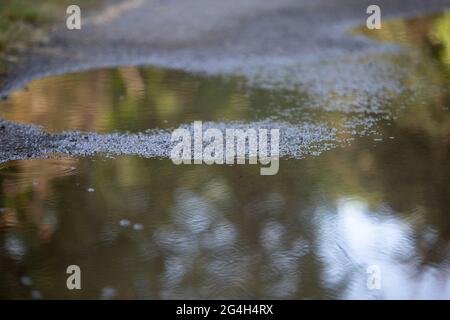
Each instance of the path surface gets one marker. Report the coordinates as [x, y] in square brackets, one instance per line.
[275, 44]
[205, 35]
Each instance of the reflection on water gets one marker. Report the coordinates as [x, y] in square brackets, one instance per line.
[132, 99]
[154, 230]
[144, 228]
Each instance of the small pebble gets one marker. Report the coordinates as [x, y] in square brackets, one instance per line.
[36, 294]
[26, 281]
[109, 293]
[138, 226]
[124, 223]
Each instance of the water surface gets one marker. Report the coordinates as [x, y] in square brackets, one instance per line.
[145, 228]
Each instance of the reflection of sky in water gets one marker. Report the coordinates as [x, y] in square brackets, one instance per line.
[14, 246]
[200, 236]
[196, 228]
[354, 238]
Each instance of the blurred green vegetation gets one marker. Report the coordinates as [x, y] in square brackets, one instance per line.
[429, 34]
[23, 22]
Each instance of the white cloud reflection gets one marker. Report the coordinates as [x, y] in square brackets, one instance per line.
[353, 238]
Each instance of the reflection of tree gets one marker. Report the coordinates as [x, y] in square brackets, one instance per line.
[127, 99]
[410, 174]
[441, 36]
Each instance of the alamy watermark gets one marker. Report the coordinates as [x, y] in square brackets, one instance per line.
[73, 21]
[236, 146]
[74, 280]
[374, 20]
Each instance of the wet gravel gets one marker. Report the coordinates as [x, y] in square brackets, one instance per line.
[21, 142]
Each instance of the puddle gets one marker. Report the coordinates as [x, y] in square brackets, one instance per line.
[126, 99]
[145, 228]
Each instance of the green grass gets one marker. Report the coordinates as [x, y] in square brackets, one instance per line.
[24, 22]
